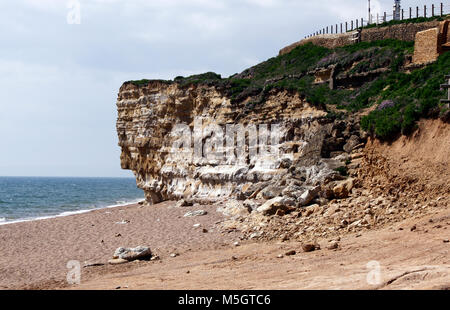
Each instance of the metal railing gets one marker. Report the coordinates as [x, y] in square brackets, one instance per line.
[378, 19]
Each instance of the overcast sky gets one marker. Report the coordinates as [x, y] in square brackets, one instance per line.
[59, 79]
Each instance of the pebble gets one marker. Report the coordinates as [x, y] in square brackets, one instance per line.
[236, 244]
[196, 213]
[291, 253]
[309, 247]
[174, 255]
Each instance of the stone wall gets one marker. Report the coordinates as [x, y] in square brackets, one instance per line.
[404, 32]
[426, 48]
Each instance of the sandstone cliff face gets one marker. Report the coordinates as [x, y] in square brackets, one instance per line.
[176, 141]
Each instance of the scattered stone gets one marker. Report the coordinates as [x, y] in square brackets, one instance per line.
[280, 256]
[130, 254]
[236, 244]
[333, 245]
[308, 247]
[446, 241]
[342, 189]
[118, 235]
[196, 213]
[117, 261]
[291, 253]
[155, 258]
[234, 258]
[93, 265]
[414, 228]
[183, 203]
[308, 196]
[235, 208]
[123, 222]
[197, 225]
[173, 255]
[204, 230]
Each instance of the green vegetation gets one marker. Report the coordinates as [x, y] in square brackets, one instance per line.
[342, 171]
[367, 74]
[414, 95]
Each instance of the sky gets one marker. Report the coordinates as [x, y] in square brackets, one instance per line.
[62, 64]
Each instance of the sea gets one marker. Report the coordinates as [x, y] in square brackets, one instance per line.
[35, 198]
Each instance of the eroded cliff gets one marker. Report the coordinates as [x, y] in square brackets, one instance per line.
[155, 117]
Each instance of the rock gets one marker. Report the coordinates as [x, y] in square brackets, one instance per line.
[414, 228]
[271, 191]
[93, 265]
[196, 213]
[236, 244]
[333, 245]
[308, 196]
[131, 254]
[291, 253]
[280, 256]
[183, 203]
[204, 230]
[308, 247]
[197, 225]
[311, 210]
[173, 255]
[117, 261]
[234, 208]
[342, 189]
[446, 241]
[270, 206]
[351, 143]
[251, 205]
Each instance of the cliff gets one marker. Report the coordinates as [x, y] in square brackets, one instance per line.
[289, 131]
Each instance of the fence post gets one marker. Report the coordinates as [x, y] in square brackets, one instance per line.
[432, 10]
[424, 11]
[336, 28]
[357, 24]
[403, 14]
[327, 29]
[346, 26]
[362, 22]
[341, 27]
[352, 26]
[378, 18]
[417, 12]
[410, 12]
[442, 9]
[384, 18]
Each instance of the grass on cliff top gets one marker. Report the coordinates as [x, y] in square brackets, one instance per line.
[410, 96]
[405, 98]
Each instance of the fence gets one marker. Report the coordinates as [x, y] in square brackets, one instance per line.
[446, 86]
[411, 13]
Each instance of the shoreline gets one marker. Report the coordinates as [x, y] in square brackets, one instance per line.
[3, 220]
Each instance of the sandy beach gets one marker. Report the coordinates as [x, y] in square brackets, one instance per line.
[35, 254]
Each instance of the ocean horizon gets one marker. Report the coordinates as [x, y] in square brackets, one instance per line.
[36, 198]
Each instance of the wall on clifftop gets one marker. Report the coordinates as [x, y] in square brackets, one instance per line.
[404, 32]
